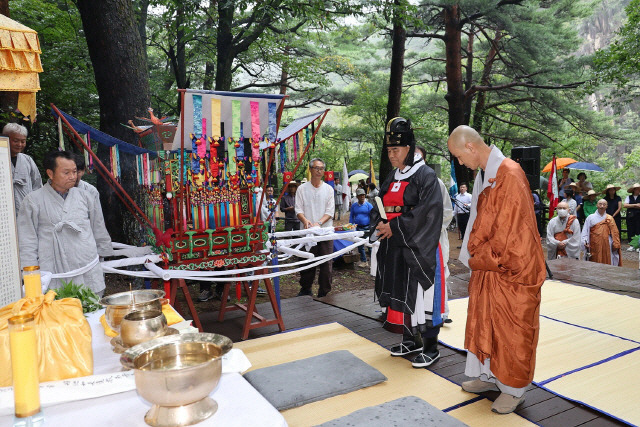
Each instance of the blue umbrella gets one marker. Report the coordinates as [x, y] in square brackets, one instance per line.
[353, 172]
[585, 166]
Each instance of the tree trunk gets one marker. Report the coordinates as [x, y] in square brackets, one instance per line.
[478, 115]
[455, 93]
[143, 13]
[468, 81]
[209, 66]
[395, 78]
[4, 8]
[120, 70]
[181, 60]
[224, 43]
[207, 83]
[284, 74]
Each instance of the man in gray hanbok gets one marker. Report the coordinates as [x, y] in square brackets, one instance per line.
[61, 229]
[25, 174]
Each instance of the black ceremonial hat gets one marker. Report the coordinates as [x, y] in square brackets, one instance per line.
[399, 133]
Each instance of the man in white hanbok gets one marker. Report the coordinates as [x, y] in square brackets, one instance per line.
[25, 174]
[563, 234]
[61, 229]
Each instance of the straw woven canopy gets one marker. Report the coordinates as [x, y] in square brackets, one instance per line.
[20, 63]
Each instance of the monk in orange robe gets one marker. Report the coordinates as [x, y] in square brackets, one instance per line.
[601, 238]
[504, 253]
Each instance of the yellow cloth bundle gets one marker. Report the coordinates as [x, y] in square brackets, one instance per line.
[169, 312]
[63, 337]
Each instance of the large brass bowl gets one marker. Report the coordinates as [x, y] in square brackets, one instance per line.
[118, 305]
[176, 374]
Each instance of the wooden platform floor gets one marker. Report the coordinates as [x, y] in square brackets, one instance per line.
[358, 312]
[619, 280]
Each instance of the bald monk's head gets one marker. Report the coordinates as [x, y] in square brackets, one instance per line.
[602, 206]
[469, 148]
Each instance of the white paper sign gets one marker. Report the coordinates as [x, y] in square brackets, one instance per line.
[10, 266]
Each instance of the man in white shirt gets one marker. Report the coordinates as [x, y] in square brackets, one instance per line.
[563, 234]
[25, 174]
[462, 208]
[315, 207]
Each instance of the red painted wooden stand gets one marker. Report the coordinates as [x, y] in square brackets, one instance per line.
[180, 283]
[250, 307]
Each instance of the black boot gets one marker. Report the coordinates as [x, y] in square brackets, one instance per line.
[429, 353]
[410, 344]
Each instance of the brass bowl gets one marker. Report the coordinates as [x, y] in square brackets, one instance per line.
[139, 326]
[176, 374]
[118, 305]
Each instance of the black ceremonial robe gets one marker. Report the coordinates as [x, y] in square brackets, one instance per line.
[408, 258]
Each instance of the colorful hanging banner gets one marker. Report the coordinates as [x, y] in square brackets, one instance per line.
[272, 121]
[202, 142]
[197, 115]
[89, 164]
[231, 156]
[255, 121]
[237, 119]
[295, 148]
[283, 156]
[215, 118]
[60, 135]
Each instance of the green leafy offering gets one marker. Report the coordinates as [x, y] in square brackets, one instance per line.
[86, 296]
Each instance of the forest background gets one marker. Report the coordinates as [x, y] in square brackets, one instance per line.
[560, 74]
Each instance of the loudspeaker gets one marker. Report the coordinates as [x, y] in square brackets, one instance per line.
[529, 159]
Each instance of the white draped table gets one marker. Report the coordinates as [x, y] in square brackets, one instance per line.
[239, 404]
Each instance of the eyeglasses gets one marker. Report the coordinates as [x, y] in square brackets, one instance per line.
[318, 168]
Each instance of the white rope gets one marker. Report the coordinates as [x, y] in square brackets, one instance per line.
[212, 276]
[315, 234]
[318, 231]
[291, 251]
[321, 238]
[47, 276]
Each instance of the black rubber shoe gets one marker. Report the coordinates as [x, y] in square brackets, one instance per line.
[423, 360]
[404, 348]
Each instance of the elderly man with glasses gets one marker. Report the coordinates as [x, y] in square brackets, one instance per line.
[25, 174]
[315, 208]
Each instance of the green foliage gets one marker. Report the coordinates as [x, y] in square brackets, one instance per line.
[619, 63]
[337, 53]
[89, 300]
[67, 80]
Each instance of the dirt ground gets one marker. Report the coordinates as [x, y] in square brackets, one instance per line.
[346, 277]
